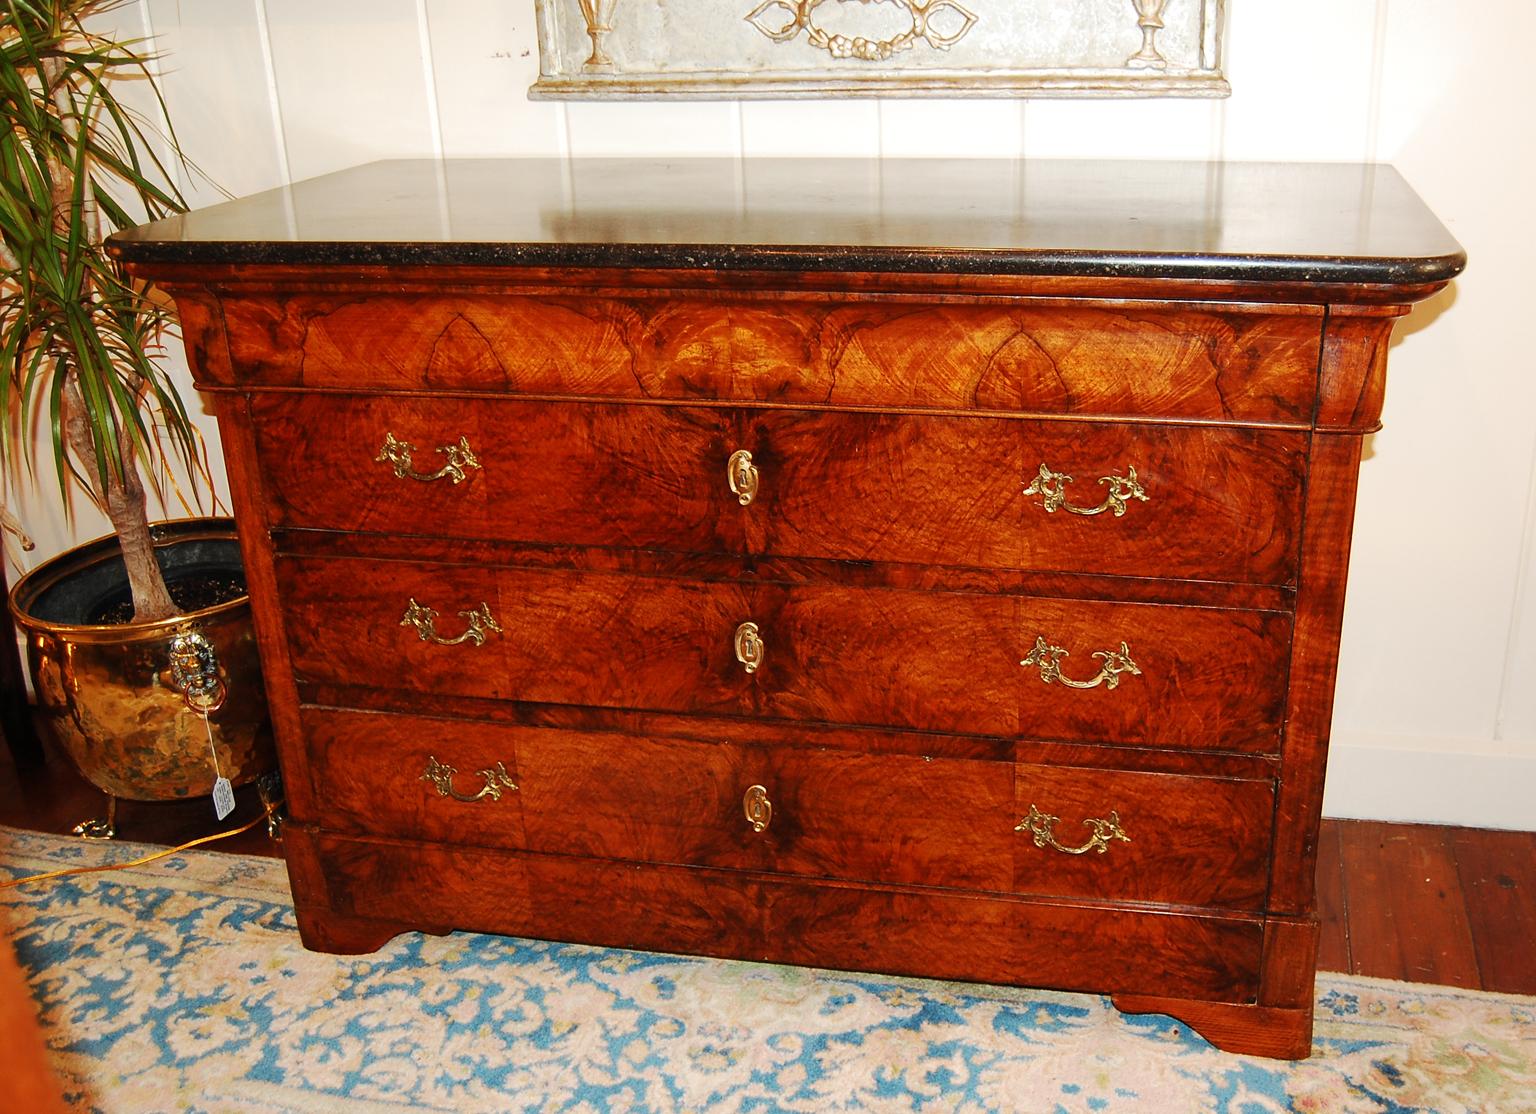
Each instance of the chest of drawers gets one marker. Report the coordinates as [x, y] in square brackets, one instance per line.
[920, 568]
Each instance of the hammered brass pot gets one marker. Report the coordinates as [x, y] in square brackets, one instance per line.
[112, 697]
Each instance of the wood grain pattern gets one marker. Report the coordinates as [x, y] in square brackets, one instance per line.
[1184, 362]
[1328, 520]
[929, 661]
[944, 934]
[837, 486]
[1189, 840]
[1422, 930]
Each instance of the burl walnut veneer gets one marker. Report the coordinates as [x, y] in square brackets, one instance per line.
[933, 568]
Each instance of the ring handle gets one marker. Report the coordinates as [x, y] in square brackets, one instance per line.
[424, 619]
[1041, 825]
[1052, 486]
[397, 454]
[1047, 658]
[742, 475]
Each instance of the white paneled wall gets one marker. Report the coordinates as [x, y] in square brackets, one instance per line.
[1436, 714]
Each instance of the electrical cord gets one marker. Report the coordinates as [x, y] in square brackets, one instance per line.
[169, 851]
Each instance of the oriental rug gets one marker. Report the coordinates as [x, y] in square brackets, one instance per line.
[181, 985]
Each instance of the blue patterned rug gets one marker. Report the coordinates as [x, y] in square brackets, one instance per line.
[181, 985]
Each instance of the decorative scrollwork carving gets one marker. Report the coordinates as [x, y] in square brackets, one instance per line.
[397, 454]
[440, 775]
[424, 619]
[1052, 486]
[1041, 826]
[783, 20]
[1047, 659]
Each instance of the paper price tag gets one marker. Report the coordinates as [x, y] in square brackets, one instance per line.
[223, 798]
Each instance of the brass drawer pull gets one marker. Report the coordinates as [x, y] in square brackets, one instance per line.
[397, 454]
[758, 808]
[1052, 485]
[1048, 659]
[749, 647]
[1041, 824]
[742, 475]
[441, 777]
[424, 619]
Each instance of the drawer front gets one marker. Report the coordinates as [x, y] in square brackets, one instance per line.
[969, 664]
[833, 814]
[1099, 498]
[647, 477]
[1206, 503]
[1194, 361]
[1134, 836]
[927, 932]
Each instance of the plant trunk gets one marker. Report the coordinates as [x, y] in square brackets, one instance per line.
[124, 501]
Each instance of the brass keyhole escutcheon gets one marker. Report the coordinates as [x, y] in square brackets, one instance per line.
[749, 647]
[742, 475]
[758, 808]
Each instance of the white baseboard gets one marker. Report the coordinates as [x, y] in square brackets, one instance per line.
[1474, 784]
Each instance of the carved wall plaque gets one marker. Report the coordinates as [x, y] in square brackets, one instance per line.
[730, 49]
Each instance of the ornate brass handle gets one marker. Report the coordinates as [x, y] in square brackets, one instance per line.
[1040, 825]
[758, 808]
[424, 619]
[441, 777]
[1052, 485]
[1048, 659]
[397, 454]
[749, 647]
[742, 475]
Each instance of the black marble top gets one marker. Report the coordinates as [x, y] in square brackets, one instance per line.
[1262, 222]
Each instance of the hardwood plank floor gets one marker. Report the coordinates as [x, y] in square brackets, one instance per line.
[1415, 902]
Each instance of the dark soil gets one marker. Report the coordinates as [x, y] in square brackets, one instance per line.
[192, 591]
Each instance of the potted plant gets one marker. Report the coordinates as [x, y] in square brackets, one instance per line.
[149, 682]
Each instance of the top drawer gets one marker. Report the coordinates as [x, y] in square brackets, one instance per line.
[1185, 361]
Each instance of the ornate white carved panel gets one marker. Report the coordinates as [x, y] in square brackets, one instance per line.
[730, 49]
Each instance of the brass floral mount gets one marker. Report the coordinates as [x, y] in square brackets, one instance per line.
[441, 776]
[800, 15]
[424, 619]
[1047, 659]
[1041, 825]
[397, 454]
[1053, 487]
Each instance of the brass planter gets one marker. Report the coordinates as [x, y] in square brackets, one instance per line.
[112, 697]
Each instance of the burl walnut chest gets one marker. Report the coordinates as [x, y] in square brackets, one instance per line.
[931, 568]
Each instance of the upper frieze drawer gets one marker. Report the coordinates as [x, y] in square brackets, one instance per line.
[1194, 361]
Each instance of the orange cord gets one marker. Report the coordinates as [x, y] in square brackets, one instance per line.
[137, 862]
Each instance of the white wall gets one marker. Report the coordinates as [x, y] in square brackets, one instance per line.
[1436, 713]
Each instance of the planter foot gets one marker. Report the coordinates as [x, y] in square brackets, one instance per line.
[270, 788]
[99, 829]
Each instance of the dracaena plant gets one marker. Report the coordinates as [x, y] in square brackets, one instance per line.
[77, 336]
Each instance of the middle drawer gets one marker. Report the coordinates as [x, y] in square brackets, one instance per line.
[978, 664]
[1201, 502]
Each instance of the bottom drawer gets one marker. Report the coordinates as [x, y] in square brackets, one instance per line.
[933, 933]
[788, 808]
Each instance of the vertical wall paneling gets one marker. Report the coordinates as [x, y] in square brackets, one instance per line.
[484, 55]
[217, 83]
[656, 128]
[352, 82]
[1301, 76]
[944, 127]
[850, 127]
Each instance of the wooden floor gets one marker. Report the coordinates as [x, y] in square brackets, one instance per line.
[1455, 906]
